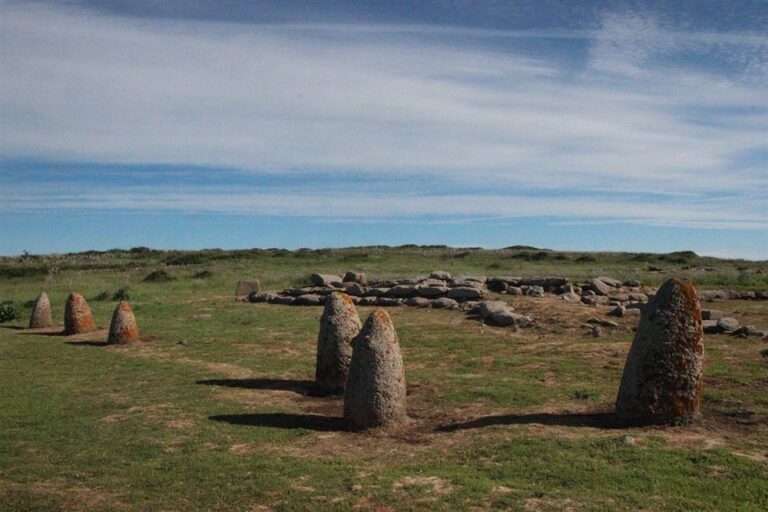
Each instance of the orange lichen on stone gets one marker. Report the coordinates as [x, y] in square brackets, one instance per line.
[77, 315]
[123, 328]
[338, 327]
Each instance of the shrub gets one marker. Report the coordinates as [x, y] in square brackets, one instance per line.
[186, 259]
[158, 276]
[586, 259]
[122, 294]
[101, 297]
[8, 311]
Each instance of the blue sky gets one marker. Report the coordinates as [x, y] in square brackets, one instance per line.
[637, 126]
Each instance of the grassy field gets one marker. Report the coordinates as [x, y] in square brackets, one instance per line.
[214, 409]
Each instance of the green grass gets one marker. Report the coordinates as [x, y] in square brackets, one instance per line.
[203, 416]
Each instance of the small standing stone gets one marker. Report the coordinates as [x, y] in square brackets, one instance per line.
[123, 328]
[247, 287]
[375, 394]
[662, 377]
[338, 327]
[77, 315]
[41, 312]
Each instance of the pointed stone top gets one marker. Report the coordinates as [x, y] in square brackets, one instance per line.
[678, 296]
[41, 312]
[339, 301]
[77, 315]
[379, 328]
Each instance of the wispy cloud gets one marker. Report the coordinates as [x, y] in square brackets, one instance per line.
[643, 109]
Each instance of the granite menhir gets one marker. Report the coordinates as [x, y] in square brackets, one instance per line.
[41, 312]
[663, 374]
[77, 315]
[123, 328]
[338, 327]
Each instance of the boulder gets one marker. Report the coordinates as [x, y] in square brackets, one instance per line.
[444, 303]
[614, 283]
[41, 312]
[637, 297]
[389, 302]
[123, 328]
[618, 311]
[325, 280]
[431, 291]
[728, 324]
[261, 296]
[77, 315]
[662, 378]
[418, 302]
[633, 283]
[375, 391]
[375, 292]
[440, 274]
[354, 289]
[465, 293]
[339, 325]
[247, 287]
[368, 301]
[711, 314]
[497, 284]
[514, 290]
[570, 297]
[310, 299]
[534, 291]
[494, 312]
[711, 327]
[355, 277]
[401, 291]
[599, 287]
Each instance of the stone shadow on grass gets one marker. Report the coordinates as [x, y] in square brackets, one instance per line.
[606, 420]
[87, 343]
[302, 387]
[286, 421]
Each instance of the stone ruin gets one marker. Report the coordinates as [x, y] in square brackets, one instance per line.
[339, 325]
[123, 328]
[77, 315]
[41, 312]
[662, 377]
[375, 391]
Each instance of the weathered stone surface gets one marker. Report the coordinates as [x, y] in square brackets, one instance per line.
[285, 300]
[497, 285]
[638, 297]
[440, 274]
[309, 299]
[375, 292]
[354, 289]
[711, 327]
[728, 324]
[534, 291]
[617, 311]
[662, 376]
[123, 328]
[355, 277]
[375, 392]
[339, 324]
[498, 313]
[325, 280]
[418, 302]
[368, 301]
[632, 283]
[615, 283]
[247, 287]
[711, 314]
[77, 315]
[571, 297]
[389, 301]
[619, 297]
[261, 296]
[514, 290]
[465, 293]
[431, 282]
[444, 303]
[599, 287]
[431, 291]
[41, 312]
[402, 291]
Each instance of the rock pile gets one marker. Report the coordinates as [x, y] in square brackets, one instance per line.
[661, 383]
[375, 391]
[123, 328]
[41, 312]
[338, 327]
[77, 315]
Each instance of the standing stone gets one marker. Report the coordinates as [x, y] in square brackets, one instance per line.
[356, 277]
[662, 376]
[247, 287]
[375, 394]
[41, 312]
[123, 328]
[338, 327]
[77, 315]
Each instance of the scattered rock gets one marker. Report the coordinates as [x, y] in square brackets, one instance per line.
[662, 381]
[444, 303]
[261, 296]
[389, 302]
[355, 277]
[465, 293]
[430, 292]
[368, 301]
[728, 324]
[599, 287]
[615, 283]
[284, 300]
[339, 324]
[309, 299]
[325, 280]
[514, 290]
[123, 328]
[534, 291]
[41, 312]
[711, 314]
[603, 322]
[402, 291]
[628, 440]
[617, 311]
[375, 392]
[77, 315]
[247, 287]
[418, 302]
[633, 283]
[440, 274]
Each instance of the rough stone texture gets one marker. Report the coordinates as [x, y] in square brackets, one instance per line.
[77, 315]
[389, 302]
[247, 287]
[662, 380]
[325, 280]
[418, 302]
[534, 291]
[261, 296]
[440, 274]
[711, 314]
[310, 299]
[123, 328]
[431, 291]
[615, 283]
[498, 313]
[375, 392]
[728, 324]
[356, 277]
[339, 324]
[444, 303]
[599, 287]
[368, 301]
[41, 312]
[402, 291]
[354, 289]
[465, 293]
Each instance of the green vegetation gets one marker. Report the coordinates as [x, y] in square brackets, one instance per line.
[213, 410]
